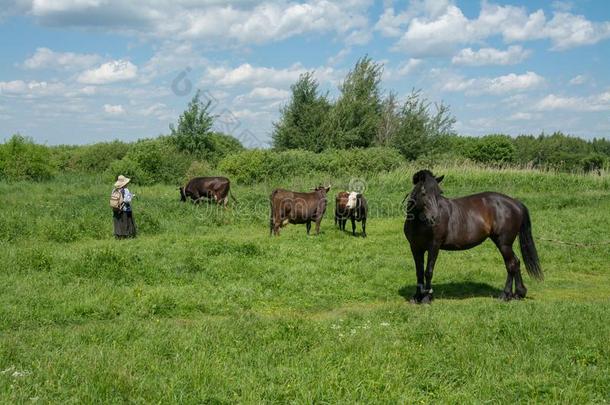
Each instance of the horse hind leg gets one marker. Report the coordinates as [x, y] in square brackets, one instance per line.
[513, 274]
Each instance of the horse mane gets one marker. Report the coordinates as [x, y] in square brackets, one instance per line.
[421, 175]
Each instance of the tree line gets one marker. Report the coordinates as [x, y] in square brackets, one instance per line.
[363, 117]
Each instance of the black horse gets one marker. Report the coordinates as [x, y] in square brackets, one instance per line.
[435, 222]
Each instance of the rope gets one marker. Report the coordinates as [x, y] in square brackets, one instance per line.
[575, 243]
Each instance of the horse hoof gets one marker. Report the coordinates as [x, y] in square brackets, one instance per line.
[505, 296]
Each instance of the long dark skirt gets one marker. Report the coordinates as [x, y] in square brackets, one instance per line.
[124, 226]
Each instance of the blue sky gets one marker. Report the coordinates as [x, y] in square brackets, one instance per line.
[81, 71]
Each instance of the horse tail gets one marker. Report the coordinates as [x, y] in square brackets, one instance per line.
[528, 248]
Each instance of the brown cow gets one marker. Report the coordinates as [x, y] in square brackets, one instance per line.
[297, 208]
[356, 213]
[216, 188]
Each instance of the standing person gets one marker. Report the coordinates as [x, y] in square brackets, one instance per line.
[120, 201]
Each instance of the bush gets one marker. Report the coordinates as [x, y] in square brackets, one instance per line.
[152, 161]
[493, 149]
[258, 165]
[22, 159]
[97, 157]
[197, 169]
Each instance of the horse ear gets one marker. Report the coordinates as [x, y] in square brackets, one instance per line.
[439, 179]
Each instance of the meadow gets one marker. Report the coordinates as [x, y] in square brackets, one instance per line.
[204, 306]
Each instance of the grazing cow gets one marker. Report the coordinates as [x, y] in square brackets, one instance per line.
[216, 188]
[297, 208]
[352, 206]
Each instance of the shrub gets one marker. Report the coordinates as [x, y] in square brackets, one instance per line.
[152, 161]
[493, 149]
[593, 162]
[258, 165]
[22, 159]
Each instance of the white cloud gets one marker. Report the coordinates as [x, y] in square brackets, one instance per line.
[491, 56]
[244, 22]
[268, 93]
[246, 74]
[596, 102]
[389, 23]
[110, 72]
[31, 88]
[523, 116]
[114, 109]
[441, 28]
[45, 58]
[578, 80]
[497, 85]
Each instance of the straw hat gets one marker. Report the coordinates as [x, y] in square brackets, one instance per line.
[121, 181]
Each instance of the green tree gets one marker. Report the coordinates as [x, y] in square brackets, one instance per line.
[389, 121]
[421, 125]
[194, 128]
[300, 123]
[354, 120]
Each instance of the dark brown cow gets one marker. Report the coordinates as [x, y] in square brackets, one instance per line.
[216, 188]
[357, 213]
[297, 208]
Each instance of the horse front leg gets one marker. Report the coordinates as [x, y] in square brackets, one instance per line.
[432, 255]
[418, 258]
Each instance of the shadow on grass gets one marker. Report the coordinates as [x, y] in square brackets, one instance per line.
[455, 290]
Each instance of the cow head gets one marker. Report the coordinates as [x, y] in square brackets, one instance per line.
[322, 189]
[182, 194]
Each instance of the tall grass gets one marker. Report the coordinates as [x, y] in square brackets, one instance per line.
[204, 306]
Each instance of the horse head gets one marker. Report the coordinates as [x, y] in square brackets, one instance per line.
[424, 199]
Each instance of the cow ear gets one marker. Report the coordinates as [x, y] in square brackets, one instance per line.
[327, 189]
[439, 179]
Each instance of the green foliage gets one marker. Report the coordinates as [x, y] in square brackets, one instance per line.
[194, 128]
[593, 162]
[493, 149]
[22, 159]
[197, 169]
[355, 118]
[94, 158]
[419, 126]
[257, 165]
[152, 161]
[301, 120]
[221, 145]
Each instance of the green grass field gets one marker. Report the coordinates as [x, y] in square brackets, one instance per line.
[205, 307]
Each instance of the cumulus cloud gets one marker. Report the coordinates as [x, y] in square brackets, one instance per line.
[497, 85]
[114, 109]
[244, 22]
[31, 88]
[45, 58]
[443, 27]
[110, 72]
[246, 74]
[491, 56]
[596, 102]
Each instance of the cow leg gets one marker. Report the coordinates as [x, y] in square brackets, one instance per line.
[308, 225]
[343, 222]
[318, 225]
[353, 225]
[364, 227]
